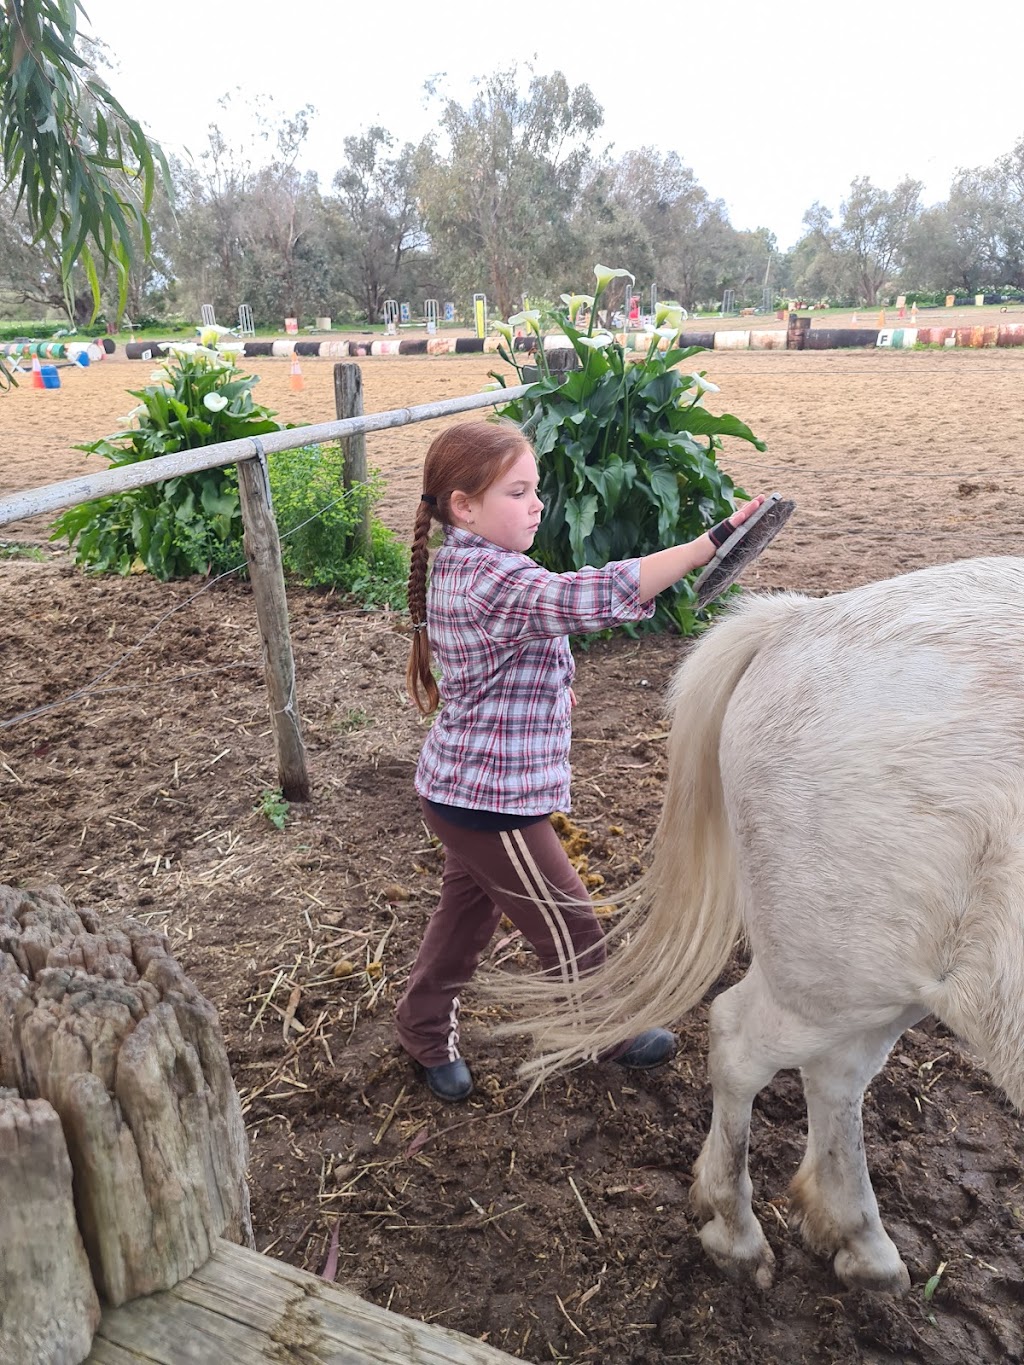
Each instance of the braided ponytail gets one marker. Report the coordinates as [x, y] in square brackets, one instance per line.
[419, 679]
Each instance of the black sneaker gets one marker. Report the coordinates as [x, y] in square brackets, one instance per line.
[653, 1048]
[451, 1081]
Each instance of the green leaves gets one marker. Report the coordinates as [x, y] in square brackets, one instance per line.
[628, 458]
[189, 524]
[83, 168]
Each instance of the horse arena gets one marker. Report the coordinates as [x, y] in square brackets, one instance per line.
[558, 1230]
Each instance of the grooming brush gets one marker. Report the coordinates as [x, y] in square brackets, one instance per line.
[742, 548]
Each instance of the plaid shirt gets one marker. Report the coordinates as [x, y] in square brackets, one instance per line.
[497, 624]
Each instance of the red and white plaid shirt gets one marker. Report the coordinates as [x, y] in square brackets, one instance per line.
[497, 624]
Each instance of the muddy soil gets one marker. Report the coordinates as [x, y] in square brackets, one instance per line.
[144, 795]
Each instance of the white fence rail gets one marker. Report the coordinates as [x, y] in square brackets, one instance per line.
[50, 497]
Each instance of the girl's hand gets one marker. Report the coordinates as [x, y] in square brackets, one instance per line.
[572, 699]
[745, 510]
[720, 533]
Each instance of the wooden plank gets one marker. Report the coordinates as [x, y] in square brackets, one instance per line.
[263, 552]
[243, 1307]
[53, 496]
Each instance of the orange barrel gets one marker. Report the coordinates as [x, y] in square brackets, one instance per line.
[732, 341]
[1010, 334]
[991, 336]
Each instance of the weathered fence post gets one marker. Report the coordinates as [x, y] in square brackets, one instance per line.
[263, 552]
[113, 1073]
[348, 402]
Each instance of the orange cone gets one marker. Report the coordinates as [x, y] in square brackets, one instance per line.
[37, 374]
[296, 374]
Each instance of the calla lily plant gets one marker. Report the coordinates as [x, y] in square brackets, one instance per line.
[628, 453]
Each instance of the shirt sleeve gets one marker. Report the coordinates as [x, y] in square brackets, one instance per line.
[526, 602]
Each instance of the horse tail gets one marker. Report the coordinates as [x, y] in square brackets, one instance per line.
[685, 912]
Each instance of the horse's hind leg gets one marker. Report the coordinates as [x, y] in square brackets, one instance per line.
[752, 1038]
[832, 1202]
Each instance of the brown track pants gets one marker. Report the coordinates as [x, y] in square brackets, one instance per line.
[524, 874]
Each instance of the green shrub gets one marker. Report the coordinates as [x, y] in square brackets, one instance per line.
[316, 519]
[627, 451]
[186, 525]
[192, 524]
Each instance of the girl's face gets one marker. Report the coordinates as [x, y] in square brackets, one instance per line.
[508, 513]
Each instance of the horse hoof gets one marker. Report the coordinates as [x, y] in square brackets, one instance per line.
[883, 1274]
[747, 1260]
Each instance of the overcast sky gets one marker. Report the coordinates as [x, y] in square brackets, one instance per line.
[774, 106]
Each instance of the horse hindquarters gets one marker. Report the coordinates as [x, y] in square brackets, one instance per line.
[871, 767]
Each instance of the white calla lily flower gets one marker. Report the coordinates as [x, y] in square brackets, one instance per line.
[598, 341]
[216, 402]
[529, 317]
[574, 302]
[604, 274]
[503, 329]
[704, 385]
[671, 313]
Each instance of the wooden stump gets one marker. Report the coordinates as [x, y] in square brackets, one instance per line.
[103, 1025]
[48, 1306]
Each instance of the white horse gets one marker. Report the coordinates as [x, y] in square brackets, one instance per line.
[845, 788]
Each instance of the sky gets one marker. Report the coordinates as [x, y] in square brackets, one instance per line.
[773, 106]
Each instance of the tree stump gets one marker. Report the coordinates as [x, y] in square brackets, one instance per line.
[48, 1306]
[103, 1025]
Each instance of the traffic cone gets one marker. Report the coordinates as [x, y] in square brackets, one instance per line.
[855, 319]
[881, 319]
[37, 374]
[296, 374]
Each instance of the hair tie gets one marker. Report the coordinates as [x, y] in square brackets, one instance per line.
[429, 498]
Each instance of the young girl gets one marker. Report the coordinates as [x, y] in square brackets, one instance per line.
[495, 764]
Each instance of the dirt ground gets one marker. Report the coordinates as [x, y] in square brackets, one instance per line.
[142, 797]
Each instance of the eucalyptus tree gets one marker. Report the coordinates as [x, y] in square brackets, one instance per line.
[499, 197]
[250, 223]
[81, 167]
[378, 216]
[688, 235]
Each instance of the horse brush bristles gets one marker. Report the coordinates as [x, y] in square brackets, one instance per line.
[742, 548]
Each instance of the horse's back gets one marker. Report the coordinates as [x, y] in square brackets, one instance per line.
[872, 761]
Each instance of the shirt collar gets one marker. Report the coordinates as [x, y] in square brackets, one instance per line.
[468, 540]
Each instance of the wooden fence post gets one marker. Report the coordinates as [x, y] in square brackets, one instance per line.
[263, 551]
[348, 402]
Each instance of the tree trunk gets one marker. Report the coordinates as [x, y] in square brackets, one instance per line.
[103, 1025]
